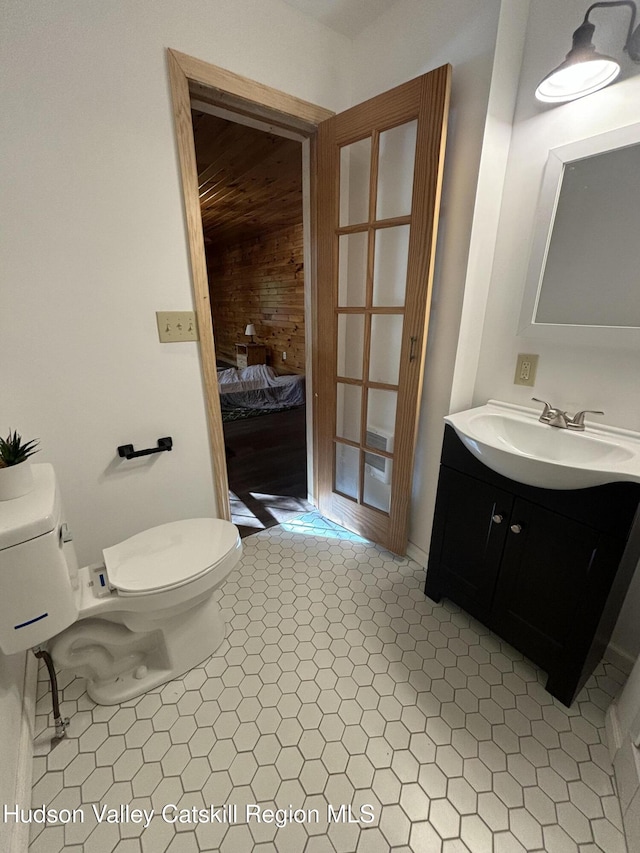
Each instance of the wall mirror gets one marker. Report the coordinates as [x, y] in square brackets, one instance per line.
[583, 281]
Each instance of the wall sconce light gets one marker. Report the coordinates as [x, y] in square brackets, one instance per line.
[250, 331]
[584, 70]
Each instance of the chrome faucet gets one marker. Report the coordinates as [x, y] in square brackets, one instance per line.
[557, 418]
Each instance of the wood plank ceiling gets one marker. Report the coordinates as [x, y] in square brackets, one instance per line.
[250, 181]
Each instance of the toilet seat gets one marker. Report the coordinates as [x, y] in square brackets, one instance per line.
[170, 555]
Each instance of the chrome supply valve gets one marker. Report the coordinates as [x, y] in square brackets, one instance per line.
[61, 726]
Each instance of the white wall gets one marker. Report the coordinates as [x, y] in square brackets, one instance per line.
[411, 38]
[94, 239]
[572, 377]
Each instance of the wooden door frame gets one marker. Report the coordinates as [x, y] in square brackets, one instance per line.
[192, 77]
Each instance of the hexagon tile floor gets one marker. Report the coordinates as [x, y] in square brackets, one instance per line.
[338, 683]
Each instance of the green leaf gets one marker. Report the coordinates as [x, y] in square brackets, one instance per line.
[13, 451]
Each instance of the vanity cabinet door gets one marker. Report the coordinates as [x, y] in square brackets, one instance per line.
[470, 527]
[547, 570]
[540, 594]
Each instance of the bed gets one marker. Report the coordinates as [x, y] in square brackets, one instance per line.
[259, 388]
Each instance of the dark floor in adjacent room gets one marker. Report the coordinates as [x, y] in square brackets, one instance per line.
[267, 467]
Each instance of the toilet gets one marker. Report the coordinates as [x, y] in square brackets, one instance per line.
[141, 617]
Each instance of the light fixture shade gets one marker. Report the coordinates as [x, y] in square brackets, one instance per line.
[573, 80]
[584, 71]
[250, 330]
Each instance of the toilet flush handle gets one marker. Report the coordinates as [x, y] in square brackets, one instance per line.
[65, 533]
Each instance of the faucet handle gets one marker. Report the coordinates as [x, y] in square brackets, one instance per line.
[577, 421]
[548, 410]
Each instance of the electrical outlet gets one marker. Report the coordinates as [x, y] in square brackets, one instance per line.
[284, 356]
[176, 326]
[526, 366]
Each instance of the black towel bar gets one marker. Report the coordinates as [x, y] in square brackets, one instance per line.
[126, 451]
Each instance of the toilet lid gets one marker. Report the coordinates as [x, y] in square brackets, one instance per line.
[169, 555]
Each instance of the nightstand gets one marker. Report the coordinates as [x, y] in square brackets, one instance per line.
[247, 354]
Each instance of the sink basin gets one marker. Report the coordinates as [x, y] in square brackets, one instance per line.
[511, 441]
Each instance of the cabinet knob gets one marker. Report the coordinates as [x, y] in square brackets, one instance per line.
[516, 528]
[497, 518]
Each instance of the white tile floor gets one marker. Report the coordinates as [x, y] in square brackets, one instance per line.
[339, 683]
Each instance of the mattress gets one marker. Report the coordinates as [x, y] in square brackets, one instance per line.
[259, 387]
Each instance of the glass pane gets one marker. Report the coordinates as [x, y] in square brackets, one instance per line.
[395, 170]
[386, 338]
[377, 481]
[348, 409]
[352, 270]
[347, 470]
[350, 345]
[355, 170]
[381, 419]
[390, 265]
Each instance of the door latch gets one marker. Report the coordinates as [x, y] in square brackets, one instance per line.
[412, 351]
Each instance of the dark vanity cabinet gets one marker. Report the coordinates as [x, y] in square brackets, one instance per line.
[547, 570]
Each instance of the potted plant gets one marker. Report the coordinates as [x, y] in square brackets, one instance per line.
[16, 476]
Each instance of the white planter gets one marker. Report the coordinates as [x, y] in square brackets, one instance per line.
[16, 481]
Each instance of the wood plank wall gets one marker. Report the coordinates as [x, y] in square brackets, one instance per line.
[260, 281]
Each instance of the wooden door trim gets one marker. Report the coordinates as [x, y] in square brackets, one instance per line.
[239, 93]
[190, 76]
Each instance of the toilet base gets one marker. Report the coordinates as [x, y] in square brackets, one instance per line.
[120, 664]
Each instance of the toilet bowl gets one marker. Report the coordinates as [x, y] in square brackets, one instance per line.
[143, 616]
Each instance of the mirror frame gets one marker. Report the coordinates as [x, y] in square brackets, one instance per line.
[616, 336]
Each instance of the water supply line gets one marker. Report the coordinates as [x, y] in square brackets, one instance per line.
[61, 724]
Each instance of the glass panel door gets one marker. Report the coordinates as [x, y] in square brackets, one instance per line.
[373, 260]
[380, 166]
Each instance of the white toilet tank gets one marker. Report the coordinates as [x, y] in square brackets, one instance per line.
[38, 569]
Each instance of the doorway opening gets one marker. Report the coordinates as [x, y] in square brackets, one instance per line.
[244, 101]
[404, 132]
[251, 204]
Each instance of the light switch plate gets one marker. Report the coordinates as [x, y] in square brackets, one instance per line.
[526, 367]
[176, 326]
